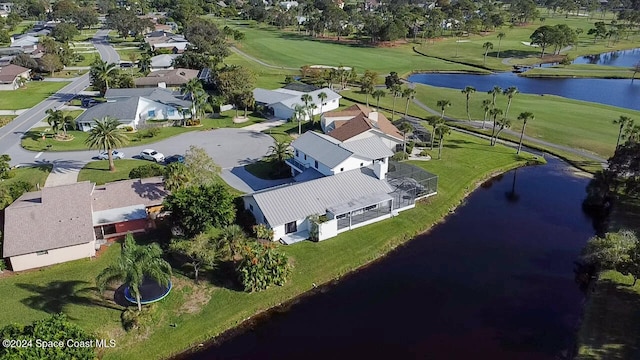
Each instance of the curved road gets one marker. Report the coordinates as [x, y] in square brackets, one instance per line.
[11, 133]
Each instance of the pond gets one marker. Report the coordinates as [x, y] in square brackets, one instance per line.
[616, 92]
[495, 279]
[623, 58]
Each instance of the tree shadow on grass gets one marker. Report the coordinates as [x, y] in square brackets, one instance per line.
[612, 322]
[516, 53]
[56, 296]
[305, 37]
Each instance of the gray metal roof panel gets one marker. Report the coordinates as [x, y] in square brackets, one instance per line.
[265, 96]
[370, 148]
[322, 148]
[299, 200]
[122, 110]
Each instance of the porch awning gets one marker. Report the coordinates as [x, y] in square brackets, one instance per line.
[118, 215]
[359, 203]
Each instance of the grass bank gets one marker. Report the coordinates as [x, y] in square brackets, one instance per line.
[30, 95]
[580, 71]
[33, 140]
[34, 175]
[611, 323]
[98, 171]
[205, 311]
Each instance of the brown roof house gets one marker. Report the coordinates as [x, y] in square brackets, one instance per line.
[12, 76]
[359, 122]
[167, 78]
[70, 222]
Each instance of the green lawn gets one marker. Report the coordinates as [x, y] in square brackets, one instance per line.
[33, 138]
[30, 95]
[558, 120]
[291, 49]
[268, 78]
[98, 171]
[581, 70]
[36, 175]
[267, 169]
[611, 322]
[70, 287]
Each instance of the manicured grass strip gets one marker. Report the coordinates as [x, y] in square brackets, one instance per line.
[29, 95]
[581, 70]
[573, 123]
[98, 171]
[36, 175]
[33, 141]
[611, 322]
[265, 169]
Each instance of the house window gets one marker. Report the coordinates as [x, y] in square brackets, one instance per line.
[316, 164]
[151, 113]
[171, 111]
[297, 154]
[290, 227]
[109, 229]
[251, 207]
[45, 252]
[305, 156]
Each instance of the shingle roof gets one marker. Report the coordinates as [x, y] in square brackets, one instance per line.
[160, 95]
[124, 109]
[369, 148]
[363, 120]
[352, 110]
[35, 221]
[322, 148]
[299, 200]
[351, 128]
[8, 73]
[147, 192]
[175, 77]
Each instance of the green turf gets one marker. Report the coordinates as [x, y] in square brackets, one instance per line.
[98, 171]
[70, 287]
[36, 175]
[29, 95]
[267, 169]
[33, 138]
[558, 120]
[611, 323]
[581, 70]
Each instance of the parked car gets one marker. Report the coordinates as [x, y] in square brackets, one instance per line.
[37, 77]
[88, 102]
[174, 158]
[115, 153]
[150, 154]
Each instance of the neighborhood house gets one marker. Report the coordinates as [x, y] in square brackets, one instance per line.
[70, 222]
[339, 186]
[281, 103]
[134, 107]
[13, 76]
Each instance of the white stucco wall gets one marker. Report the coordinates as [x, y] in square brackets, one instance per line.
[353, 162]
[55, 256]
[162, 111]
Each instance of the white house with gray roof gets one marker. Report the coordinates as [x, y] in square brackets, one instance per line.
[346, 182]
[282, 102]
[134, 107]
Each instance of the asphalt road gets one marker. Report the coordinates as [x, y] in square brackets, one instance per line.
[11, 133]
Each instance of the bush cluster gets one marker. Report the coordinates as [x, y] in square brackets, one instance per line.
[262, 266]
[146, 171]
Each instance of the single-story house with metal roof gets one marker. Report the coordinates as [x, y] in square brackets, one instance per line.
[346, 182]
[69, 222]
[163, 62]
[167, 78]
[11, 76]
[282, 102]
[133, 107]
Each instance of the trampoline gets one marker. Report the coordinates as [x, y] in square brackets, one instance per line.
[150, 292]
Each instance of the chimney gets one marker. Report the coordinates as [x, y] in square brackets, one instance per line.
[380, 168]
[162, 85]
[373, 116]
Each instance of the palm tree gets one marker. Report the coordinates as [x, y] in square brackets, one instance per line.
[103, 70]
[307, 99]
[406, 128]
[133, 57]
[396, 91]
[232, 235]
[632, 133]
[443, 104]
[279, 151]
[312, 108]
[524, 117]
[57, 120]
[500, 36]
[486, 46]
[247, 100]
[434, 121]
[145, 63]
[200, 98]
[410, 94]
[377, 94]
[510, 92]
[624, 122]
[322, 96]
[494, 113]
[367, 89]
[298, 115]
[503, 123]
[191, 87]
[136, 262]
[106, 135]
[441, 130]
[467, 91]
[494, 93]
[486, 106]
